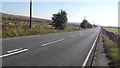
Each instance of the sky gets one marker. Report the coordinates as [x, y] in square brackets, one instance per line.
[103, 13]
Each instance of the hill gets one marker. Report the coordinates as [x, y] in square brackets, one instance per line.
[18, 18]
[16, 26]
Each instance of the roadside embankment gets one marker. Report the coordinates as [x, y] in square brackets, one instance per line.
[111, 46]
[18, 32]
[112, 36]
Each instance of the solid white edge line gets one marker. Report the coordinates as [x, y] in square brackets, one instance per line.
[13, 53]
[52, 42]
[86, 60]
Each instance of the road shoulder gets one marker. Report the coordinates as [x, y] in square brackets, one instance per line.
[101, 59]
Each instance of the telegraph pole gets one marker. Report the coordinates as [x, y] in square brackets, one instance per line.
[30, 14]
[84, 17]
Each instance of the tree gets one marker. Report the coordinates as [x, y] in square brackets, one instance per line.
[84, 24]
[89, 25]
[59, 20]
[94, 25]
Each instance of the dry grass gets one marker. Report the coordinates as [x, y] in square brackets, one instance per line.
[22, 29]
[112, 50]
[14, 26]
[115, 30]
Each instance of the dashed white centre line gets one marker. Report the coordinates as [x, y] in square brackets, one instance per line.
[13, 53]
[52, 42]
[13, 50]
[72, 36]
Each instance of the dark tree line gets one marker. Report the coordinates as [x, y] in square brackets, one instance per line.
[59, 20]
[86, 24]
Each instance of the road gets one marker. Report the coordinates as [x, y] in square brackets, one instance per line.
[57, 49]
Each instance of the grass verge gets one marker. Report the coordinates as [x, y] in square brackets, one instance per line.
[114, 30]
[112, 51]
[18, 32]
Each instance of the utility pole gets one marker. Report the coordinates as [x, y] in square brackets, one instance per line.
[30, 14]
[84, 17]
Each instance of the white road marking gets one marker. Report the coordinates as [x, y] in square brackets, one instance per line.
[13, 53]
[72, 36]
[81, 33]
[52, 42]
[86, 59]
[13, 50]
